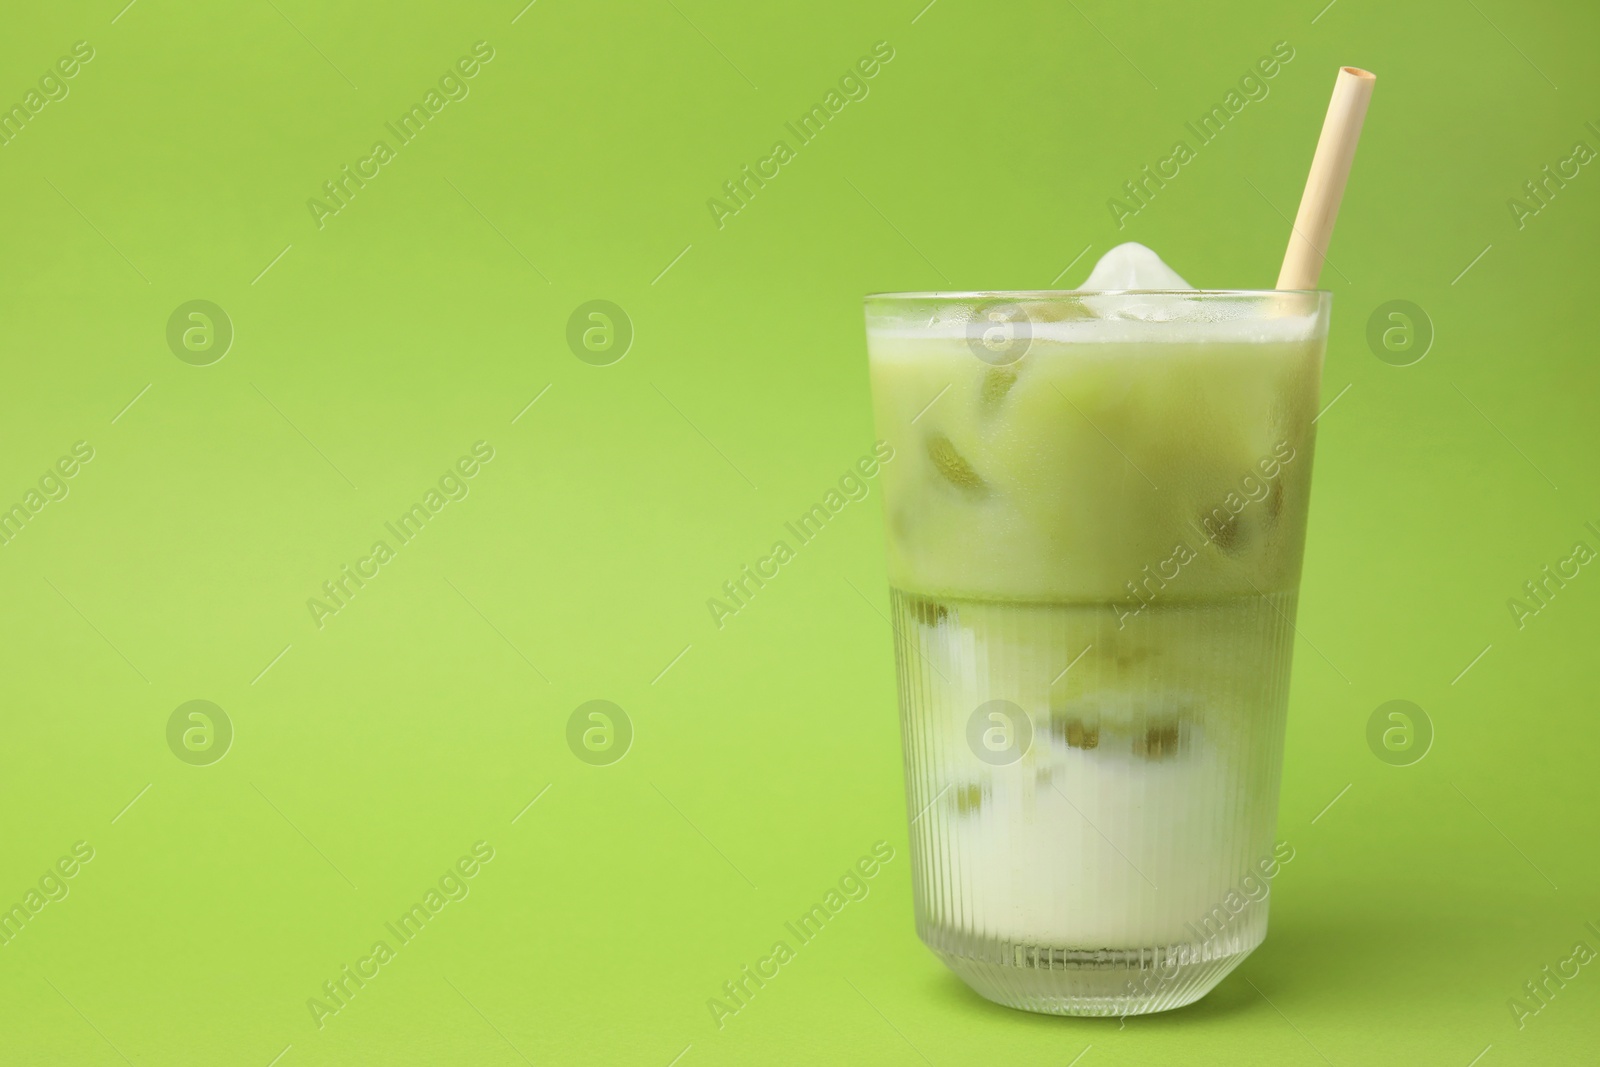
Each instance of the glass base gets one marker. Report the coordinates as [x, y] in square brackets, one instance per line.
[1095, 982]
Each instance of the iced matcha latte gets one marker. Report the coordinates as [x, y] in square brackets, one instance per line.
[1095, 526]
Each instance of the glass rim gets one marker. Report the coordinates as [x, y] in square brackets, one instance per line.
[1043, 294]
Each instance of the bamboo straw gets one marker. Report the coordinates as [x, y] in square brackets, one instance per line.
[1330, 169]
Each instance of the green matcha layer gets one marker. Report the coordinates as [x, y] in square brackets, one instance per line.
[1118, 460]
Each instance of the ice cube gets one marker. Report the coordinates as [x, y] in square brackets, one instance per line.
[953, 465]
[997, 382]
[970, 797]
[1132, 266]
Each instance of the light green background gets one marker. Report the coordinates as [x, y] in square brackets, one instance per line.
[427, 714]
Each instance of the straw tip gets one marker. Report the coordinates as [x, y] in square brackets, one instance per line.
[1357, 72]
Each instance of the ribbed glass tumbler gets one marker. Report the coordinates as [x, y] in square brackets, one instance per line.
[1096, 514]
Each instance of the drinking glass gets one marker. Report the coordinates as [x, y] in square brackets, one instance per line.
[1096, 516]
